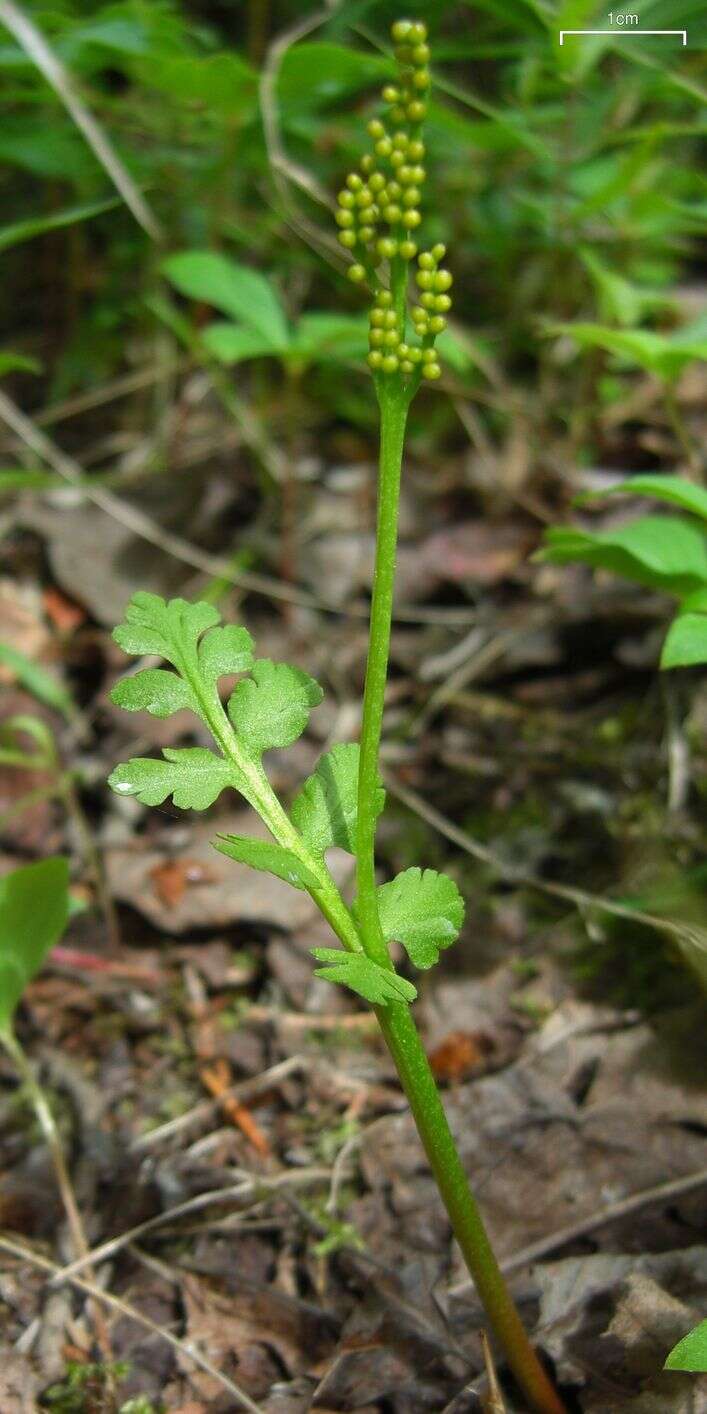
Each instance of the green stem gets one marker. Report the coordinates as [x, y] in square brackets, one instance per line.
[403, 1041]
[394, 410]
[396, 1023]
[264, 800]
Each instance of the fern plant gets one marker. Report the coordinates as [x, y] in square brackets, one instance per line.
[378, 216]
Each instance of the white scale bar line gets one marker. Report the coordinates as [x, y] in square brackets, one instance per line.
[619, 33]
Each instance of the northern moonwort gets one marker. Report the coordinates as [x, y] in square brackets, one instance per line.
[378, 213]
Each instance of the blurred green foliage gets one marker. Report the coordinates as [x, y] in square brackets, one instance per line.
[669, 555]
[570, 191]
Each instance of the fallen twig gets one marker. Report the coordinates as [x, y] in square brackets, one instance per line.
[185, 1349]
[57, 75]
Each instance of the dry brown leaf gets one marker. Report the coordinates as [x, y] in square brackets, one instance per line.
[172, 878]
[62, 612]
[461, 1054]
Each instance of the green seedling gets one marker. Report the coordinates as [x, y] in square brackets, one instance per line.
[378, 214]
[37, 680]
[34, 910]
[690, 1353]
[621, 301]
[59, 782]
[668, 554]
[257, 325]
[86, 1389]
[665, 356]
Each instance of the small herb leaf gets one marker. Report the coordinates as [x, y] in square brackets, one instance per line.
[34, 907]
[325, 810]
[686, 642]
[671, 556]
[237, 290]
[193, 776]
[232, 343]
[660, 487]
[225, 650]
[690, 1353]
[270, 858]
[170, 628]
[374, 983]
[271, 708]
[154, 690]
[422, 910]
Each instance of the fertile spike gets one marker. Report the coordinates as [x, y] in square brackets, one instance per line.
[378, 209]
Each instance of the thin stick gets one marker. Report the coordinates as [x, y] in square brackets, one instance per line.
[661, 1193]
[186, 1350]
[284, 170]
[206, 1109]
[48, 1127]
[142, 525]
[682, 932]
[45, 1117]
[35, 46]
[493, 1401]
[251, 1187]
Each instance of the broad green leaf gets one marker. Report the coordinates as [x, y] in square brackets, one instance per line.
[374, 983]
[156, 691]
[460, 350]
[34, 908]
[330, 336]
[325, 810]
[37, 680]
[232, 343]
[501, 131]
[666, 355]
[272, 707]
[270, 858]
[224, 651]
[221, 81]
[696, 602]
[46, 148]
[17, 363]
[620, 301]
[171, 629]
[424, 911]
[690, 1353]
[32, 479]
[686, 641]
[235, 289]
[674, 489]
[20, 231]
[577, 56]
[315, 74]
[665, 554]
[112, 29]
[193, 776]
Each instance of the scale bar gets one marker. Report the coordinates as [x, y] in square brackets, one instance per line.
[620, 33]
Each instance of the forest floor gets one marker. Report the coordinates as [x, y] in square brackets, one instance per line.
[265, 1225]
